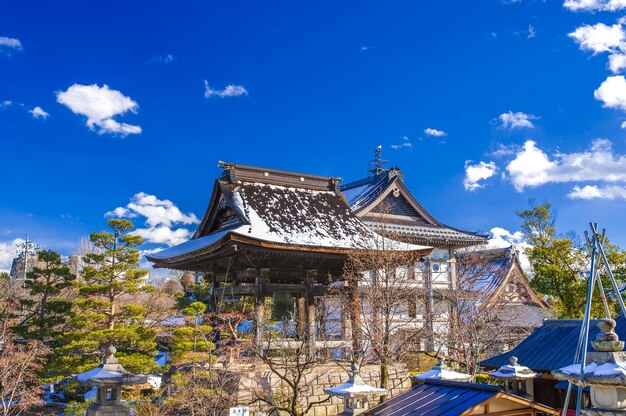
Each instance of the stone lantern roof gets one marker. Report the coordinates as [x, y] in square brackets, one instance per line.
[355, 386]
[514, 371]
[442, 372]
[110, 372]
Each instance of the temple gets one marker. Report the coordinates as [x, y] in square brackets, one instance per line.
[386, 205]
[285, 235]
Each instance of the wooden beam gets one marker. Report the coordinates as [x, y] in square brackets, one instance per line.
[311, 277]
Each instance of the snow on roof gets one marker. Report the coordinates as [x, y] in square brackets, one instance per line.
[305, 217]
[593, 370]
[442, 372]
[513, 371]
[420, 225]
[292, 216]
[188, 246]
[351, 388]
[355, 386]
[99, 373]
[485, 270]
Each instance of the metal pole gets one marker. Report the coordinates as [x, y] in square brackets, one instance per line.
[613, 283]
[600, 241]
[583, 358]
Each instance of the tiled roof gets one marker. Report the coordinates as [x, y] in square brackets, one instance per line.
[429, 234]
[419, 225]
[436, 398]
[310, 215]
[551, 346]
[485, 270]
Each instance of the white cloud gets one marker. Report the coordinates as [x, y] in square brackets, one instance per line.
[617, 62]
[474, 173]
[160, 217]
[164, 235]
[599, 37]
[594, 5]
[8, 251]
[532, 167]
[9, 44]
[435, 132]
[230, 91]
[612, 92]
[598, 192]
[501, 238]
[5, 104]
[38, 112]
[406, 143]
[516, 120]
[100, 105]
[532, 32]
[162, 59]
[504, 150]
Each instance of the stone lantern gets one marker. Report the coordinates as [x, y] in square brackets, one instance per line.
[518, 379]
[605, 373]
[109, 378]
[355, 393]
[442, 372]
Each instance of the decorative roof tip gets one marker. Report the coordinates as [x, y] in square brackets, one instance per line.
[237, 173]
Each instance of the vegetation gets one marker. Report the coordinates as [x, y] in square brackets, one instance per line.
[560, 264]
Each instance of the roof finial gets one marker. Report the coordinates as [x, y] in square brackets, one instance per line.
[378, 165]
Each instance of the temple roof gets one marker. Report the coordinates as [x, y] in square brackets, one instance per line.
[552, 346]
[496, 273]
[385, 198]
[281, 210]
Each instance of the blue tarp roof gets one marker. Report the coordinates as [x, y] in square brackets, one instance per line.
[551, 346]
[436, 398]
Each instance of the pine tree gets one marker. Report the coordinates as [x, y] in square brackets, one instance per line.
[111, 272]
[47, 307]
[105, 314]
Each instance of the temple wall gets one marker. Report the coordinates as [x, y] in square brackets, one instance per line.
[259, 378]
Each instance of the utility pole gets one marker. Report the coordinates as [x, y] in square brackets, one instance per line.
[26, 250]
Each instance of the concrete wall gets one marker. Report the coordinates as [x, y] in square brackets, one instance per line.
[258, 379]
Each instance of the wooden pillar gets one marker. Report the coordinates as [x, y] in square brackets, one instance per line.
[430, 307]
[346, 329]
[355, 319]
[311, 276]
[301, 315]
[259, 306]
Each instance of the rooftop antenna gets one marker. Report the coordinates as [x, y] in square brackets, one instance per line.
[378, 165]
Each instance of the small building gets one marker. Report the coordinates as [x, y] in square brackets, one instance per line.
[549, 348]
[448, 398]
[495, 278]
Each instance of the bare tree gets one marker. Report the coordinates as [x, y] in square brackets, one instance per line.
[391, 293]
[484, 318]
[289, 385]
[20, 391]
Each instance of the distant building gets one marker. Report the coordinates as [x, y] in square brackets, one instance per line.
[495, 278]
[385, 204]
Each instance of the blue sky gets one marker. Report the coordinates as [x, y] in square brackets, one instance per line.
[522, 90]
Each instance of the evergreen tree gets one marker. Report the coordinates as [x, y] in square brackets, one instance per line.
[560, 264]
[47, 307]
[191, 343]
[111, 272]
[105, 314]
